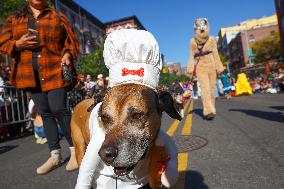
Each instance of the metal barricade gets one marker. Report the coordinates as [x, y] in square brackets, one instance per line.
[13, 106]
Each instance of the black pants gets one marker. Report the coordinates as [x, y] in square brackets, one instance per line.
[52, 108]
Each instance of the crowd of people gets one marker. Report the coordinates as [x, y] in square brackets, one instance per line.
[227, 86]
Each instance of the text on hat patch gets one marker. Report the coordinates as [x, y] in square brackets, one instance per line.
[139, 72]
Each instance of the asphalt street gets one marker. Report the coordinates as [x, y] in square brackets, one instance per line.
[242, 148]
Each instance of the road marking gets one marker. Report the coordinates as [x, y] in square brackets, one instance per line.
[186, 105]
[188, 122]
[182, 162]
[173, 128]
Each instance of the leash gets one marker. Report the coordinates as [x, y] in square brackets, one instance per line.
[194, 70]
[200, 53]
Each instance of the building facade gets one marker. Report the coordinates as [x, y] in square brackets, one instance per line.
[228, 33]
[279, 5]
[127, 23]
[89, 29]
[175, 68]
[240, 46]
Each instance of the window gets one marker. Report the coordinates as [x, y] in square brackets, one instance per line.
[251, 38]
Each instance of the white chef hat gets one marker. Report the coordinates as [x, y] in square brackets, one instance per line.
[132, 56]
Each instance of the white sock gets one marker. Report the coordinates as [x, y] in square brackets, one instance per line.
[72, 149]
[56, 154]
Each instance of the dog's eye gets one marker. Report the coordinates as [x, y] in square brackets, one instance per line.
[137, 115]
[105, 119]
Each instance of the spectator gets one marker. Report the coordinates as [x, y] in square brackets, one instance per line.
[37, 123]
[256, 87]
[1, 87]
[42, 40]
[89, 83]
[99, 87]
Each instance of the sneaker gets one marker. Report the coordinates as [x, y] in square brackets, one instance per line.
[43, 141]
[72, 163]
[209, 116]
[38, 140]
[49, 165]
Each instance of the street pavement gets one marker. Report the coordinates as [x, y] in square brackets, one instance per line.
[242, 148]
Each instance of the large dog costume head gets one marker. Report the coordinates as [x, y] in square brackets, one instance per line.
[131, 111]
[201, 28]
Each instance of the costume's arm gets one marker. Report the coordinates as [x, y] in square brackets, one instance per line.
[170, 176]
[190, 66]
[219, 65]
[7, 42]
[71, 44]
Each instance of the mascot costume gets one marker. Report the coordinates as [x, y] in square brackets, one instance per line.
[204, 62]
[129, 49]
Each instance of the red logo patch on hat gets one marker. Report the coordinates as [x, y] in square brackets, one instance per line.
[139, 72]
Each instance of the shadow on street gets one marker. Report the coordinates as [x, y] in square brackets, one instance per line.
[198, 111]
[4, 149]
[281, 108]
[194, 180]
[271, 116]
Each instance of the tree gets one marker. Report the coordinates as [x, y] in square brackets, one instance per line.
[223, 60]
[167, 79]
[92, 63]
[267, 48]
[7, 7]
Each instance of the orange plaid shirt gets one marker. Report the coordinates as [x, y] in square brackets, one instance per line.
[56, 37]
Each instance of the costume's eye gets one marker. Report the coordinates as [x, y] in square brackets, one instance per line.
[137, 115]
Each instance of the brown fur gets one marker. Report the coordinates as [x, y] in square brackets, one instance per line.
[80, 128]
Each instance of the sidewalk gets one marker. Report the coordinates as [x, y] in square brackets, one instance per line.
[19, 159]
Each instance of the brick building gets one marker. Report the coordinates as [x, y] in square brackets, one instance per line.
[241, 32]
[89, 29]
[127, 22]
[240, 45]
[176, 68]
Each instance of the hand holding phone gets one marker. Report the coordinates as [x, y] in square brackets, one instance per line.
[32, 32]
[30, 40]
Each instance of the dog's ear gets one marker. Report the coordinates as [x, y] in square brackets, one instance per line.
[166, 103]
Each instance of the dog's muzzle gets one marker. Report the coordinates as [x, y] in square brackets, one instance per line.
[108, 155]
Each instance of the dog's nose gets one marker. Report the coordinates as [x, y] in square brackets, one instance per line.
[108, 154]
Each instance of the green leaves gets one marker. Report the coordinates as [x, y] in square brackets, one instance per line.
[267, 48]
[168, 79]
[7, 7]
[92, 63]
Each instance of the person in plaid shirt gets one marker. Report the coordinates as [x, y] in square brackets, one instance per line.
[41, 41]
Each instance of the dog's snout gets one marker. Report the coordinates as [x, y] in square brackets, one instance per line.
[108, 154]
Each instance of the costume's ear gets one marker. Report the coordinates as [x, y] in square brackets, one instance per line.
[166, 103]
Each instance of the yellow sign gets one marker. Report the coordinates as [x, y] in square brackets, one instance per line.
[165, 70]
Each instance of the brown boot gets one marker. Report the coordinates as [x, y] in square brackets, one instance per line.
[52, 163]
[72, 163]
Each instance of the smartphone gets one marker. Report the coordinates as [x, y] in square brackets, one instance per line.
[32, 32]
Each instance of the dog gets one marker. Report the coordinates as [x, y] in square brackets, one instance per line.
[130, 115]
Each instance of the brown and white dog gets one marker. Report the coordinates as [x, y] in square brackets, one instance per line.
[130, 116]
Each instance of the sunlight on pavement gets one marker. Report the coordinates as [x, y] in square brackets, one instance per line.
[188, 122]
[182, 157]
